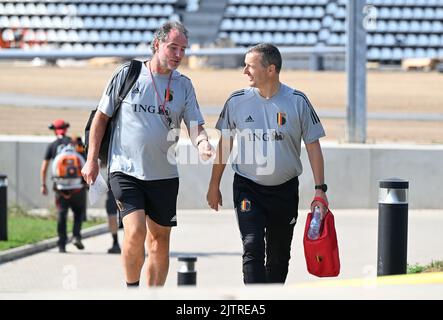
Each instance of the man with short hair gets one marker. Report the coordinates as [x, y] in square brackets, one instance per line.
[143, 180]
[64, 199]
[268, 120]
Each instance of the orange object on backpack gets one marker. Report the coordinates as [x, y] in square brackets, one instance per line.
[68, 166]
[321, 255]
[66, 169]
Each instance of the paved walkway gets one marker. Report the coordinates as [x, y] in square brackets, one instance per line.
[214, 239]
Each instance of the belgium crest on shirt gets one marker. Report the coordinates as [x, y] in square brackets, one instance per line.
[171, 95]
[245, 205]
[281, 118]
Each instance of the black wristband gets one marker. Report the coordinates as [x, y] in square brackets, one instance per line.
[322, 187]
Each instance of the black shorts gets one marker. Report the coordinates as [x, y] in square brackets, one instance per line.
[158, 198]
[278, 205]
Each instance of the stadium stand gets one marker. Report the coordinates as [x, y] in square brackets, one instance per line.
[91, 24]
[397, 29]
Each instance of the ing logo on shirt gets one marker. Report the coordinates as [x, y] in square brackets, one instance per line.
[281, 118]
[171, 94]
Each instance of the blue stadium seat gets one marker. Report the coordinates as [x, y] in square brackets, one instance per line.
[35, 22]
[62, 35]
[136, 10]
[73, 36]
[115, 36]
[260, 24]
[99, 22]
[125, 36]
[271, 24]
[389, 40]
[83, 35]
[147, 23]
[407, 13]
[78, 47]
[265, 11]
[114, 10]
[437, 26]
[420, 53]
[297, 12]
[93, 9]
[105, 36]
[256, 37]
[94, 36]
[377, 40]
[411, 40]
[267, 37]
[249, 25]
[279, 38]
[37, 9]
[238, 25]
[104, 9]
[431, 53]
[333, 40]
[136, 36]
[125, 10]
[300, 38]
[386, 54]
[289, 39]
[20, 9]
[434, 40]
[408, 53]
[226, 24]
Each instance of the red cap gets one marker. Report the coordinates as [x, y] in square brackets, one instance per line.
[59, 126]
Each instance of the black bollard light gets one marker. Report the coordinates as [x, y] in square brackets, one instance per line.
[392, 227]
[186, 274]
[3, 207]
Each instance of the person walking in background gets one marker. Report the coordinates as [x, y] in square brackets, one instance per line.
[68, 184]
[143, 178]
[268, 120]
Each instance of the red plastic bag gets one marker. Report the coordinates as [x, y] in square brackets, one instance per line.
[322, 257]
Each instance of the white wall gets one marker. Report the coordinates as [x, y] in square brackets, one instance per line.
[352, 174]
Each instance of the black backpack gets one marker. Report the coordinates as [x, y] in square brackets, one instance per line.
[131, 77]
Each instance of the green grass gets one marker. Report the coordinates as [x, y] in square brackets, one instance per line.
[434, 266]
[25, 229]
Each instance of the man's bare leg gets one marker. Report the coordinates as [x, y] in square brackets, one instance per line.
[133, 255]
[157, 242]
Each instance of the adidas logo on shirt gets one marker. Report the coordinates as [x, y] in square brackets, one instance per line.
[249, 119]
[135, 90]
[292, 221]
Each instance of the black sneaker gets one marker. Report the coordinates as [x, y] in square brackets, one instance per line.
[115, 249]
[62, 249]
[78, 243]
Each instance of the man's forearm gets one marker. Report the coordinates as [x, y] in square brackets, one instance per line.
[43, 170]
[96, 135]
[224, 149]
[316, 160]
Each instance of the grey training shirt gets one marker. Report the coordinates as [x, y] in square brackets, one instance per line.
[268, 133]
[142, 144]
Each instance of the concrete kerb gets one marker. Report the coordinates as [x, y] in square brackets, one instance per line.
[26, 250]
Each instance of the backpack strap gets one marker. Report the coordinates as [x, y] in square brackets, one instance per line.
[135, 68]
